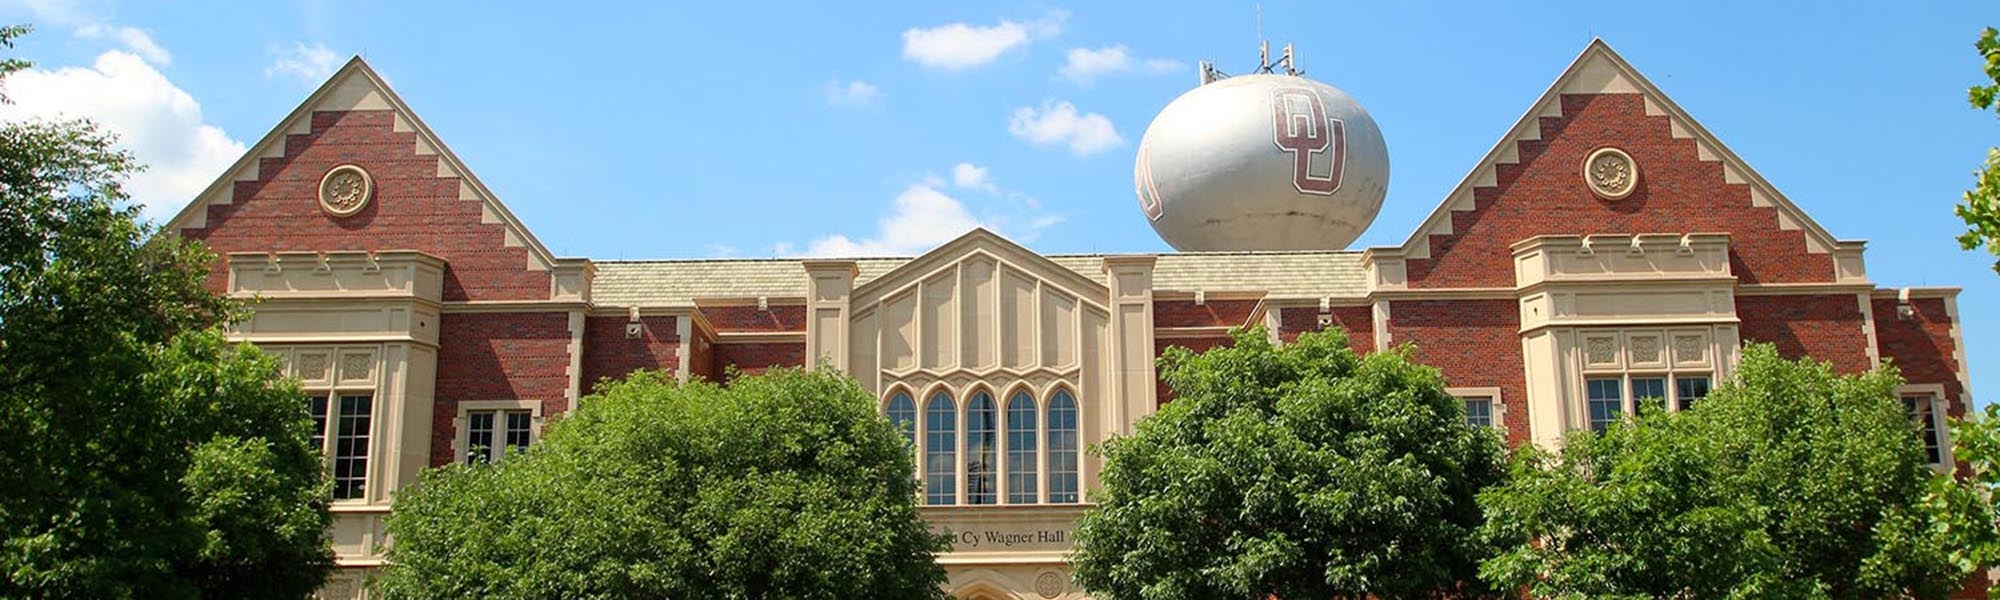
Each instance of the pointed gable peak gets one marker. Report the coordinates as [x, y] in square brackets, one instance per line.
[980, 241]
[1598, 69]
[356, 86]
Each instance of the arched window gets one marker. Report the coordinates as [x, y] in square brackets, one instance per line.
[1021, 450]
[941, 450]
[1062, 447]
[981, 444]
[902, 414]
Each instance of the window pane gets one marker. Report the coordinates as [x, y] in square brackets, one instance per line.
[478, 437]
[903, 414]
[317, 406]
[1920, 409]
[1021, 450]
[981, 443]
[941, 450]
[1479, 411]
[1689, 389]
[520, 427]
[350, 447]
[1062, 448]
[1648, 388]
[1605, 402]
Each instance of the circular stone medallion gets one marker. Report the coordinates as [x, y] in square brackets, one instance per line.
[1050, 585]
[1611, 173]
[345, 190]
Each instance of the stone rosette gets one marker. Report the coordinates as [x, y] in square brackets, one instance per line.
[1051, 584]
[345, 190]
[1610, 173]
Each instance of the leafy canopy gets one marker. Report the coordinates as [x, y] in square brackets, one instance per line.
[1302, 471]
[145, 455]
[784, 485]
[1981, 205]
[1789, 481]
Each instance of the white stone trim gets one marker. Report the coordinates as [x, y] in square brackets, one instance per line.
[1499, 405]
[1940, 418]
[461, 442]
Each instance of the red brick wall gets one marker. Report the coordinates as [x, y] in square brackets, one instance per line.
[1359, 321]
[1826, 327]
[413, 209]
[1545, 194]
[608, 353]
[1476, 343]
[495, 356]
[791, 317]
[701, 357]
[1213, 313]
[1922, 346]
[755, 357]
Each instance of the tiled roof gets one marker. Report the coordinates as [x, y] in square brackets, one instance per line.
[1279, 274]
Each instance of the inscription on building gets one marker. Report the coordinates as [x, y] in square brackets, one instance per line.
[1005, 539]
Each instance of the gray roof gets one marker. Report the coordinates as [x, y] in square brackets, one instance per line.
[1278, 274]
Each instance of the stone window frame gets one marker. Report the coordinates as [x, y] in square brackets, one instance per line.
[335, 380]
[961, 404]
[1940, 418]
[1492, 394]
[461, 443]
[1625, 366]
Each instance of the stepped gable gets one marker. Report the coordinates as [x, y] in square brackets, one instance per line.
[1533, 183]
[423, 197]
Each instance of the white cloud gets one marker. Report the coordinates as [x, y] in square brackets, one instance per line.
[1083, 66]
[1161, 66]
[921, 218]
[924, 216]
[160, 123]
[1060, 123]
[958, 46]
[857, 93]
[133, 38]
[310, 64]
[973, 177]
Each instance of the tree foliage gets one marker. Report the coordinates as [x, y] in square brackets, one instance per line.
[144, 455]
[1789, 481]
[1980, 207]
[1976, 444]
[785, 485]
[1302, 471]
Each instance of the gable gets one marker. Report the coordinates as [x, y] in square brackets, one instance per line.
[1532, 183]
[979, 241]
[977, 304]
[423, 199]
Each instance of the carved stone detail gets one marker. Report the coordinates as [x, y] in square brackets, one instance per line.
[355, 367]
[1600, 350]
[1645, 349]
[312, 367]
[1611, 173]
[345, 190]
[1051, 584]
[1689, 349]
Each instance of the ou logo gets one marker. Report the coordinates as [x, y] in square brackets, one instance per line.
[1300, 126]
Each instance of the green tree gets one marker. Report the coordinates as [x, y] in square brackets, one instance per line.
[1302, 471]
[1788, 481]
[785, 485]
[1981, 206]
[1976, 444]
[144, 455]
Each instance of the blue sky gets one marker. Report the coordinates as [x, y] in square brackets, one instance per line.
[750, 129]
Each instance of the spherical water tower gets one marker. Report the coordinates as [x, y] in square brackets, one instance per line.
[1266, 161]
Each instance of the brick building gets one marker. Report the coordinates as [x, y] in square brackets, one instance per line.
[430, 325]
